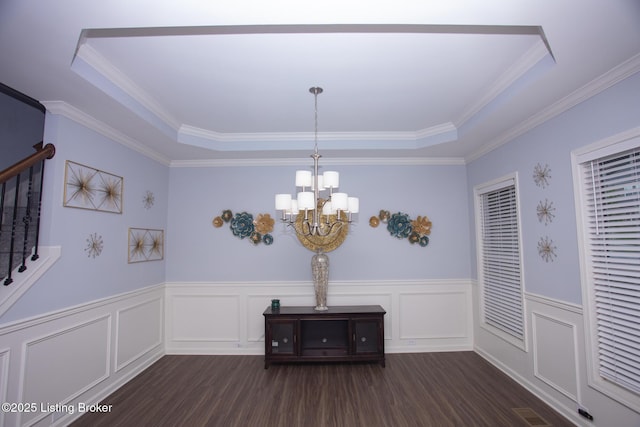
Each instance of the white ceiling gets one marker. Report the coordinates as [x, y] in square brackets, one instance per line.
[220, 81]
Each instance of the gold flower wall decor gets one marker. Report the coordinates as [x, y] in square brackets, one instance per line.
[244, 225]
[401, 226]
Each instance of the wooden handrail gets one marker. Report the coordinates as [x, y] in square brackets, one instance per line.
[47, 152]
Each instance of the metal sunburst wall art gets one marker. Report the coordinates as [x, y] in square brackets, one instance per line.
[145, 245]
[546, 212]
[94, 245]
[546, 249]
[93, 189]
[541, 175]
[148, 200]
[244, 225]
[401, 226]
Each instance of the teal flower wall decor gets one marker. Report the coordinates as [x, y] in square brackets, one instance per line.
[244, 225]
[401, 226]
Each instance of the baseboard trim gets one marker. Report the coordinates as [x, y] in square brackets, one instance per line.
[569, 413]
[107, 391]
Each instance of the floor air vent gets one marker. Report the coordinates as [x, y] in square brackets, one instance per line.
[530, 416]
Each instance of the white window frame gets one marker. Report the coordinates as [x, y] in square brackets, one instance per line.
[479, 192]
[609, 146]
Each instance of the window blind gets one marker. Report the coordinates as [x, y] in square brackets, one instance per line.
[612, 186]
[502, 291]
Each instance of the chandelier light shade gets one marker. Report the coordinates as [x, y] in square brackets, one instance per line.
[318, 210]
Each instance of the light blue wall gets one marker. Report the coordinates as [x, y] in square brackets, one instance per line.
[608, 113]
[187, 199]
[199, 252]
[77, 278]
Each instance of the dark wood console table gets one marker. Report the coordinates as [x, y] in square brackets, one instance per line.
[340, 334]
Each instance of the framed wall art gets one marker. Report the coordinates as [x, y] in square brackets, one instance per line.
[93, 189]
[145, 245]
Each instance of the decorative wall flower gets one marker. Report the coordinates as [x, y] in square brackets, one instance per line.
[227, 215]
[244, 225]
[264, 223]
[422, 225]
[255, 237]
[401, 226]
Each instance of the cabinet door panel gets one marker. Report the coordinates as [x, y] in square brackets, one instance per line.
[283, 337]
[366, 336]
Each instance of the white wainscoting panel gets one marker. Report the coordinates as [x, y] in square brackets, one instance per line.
[553, 366]
[554, 353]
[139, 331]
[226, 318]
[72, 360]
[204, 317]
[78, 355]
[5, 354]
[430, 315]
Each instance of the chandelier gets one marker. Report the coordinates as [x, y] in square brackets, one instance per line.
[318, 210]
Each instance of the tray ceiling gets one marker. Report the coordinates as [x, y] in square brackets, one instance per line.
[188, 84]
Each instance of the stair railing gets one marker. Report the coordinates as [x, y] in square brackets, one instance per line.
[20, 200]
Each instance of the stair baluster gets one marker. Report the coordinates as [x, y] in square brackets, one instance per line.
[25, 208]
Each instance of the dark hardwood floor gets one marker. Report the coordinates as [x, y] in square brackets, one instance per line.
[420, 389]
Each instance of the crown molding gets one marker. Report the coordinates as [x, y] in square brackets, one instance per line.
[391, 161]
[594, 87]
[105, 68]
[261, 137]
[520, 68]
[72, 113]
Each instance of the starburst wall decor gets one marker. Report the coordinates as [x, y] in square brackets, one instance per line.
[545, 211]
[546, 249]
[148, 200]
[145, 245]
[89, 188]
[94, 245]
[541, 175]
